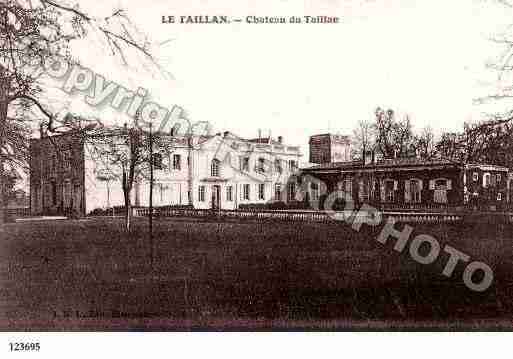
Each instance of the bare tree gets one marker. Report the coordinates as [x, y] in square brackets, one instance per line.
[402, 135]
[363, 139]
[424, 144]
[484, 141]
[393, 137]
[384, 125]
[124, 154]
[450, 146]
[30, 32]
[492, 139]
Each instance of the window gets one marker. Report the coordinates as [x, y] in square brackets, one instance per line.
[229, 194]
[244, 164]
[499, 196]
[314, 189]
[415, 191]
[67, 194]
[201, 193]
[245, 192]
[157, 161]
[441, 186]
[348, 188]
[261, 191]
[54, 193]
[261, 165]
[53, 164]
[486, 180]
[363, 190]
[292, 165]
[214, 169]
[291, 191]
[340, 186]
[389, 191]
[475, 176]
[277, 191]
[177, 162]
[68, 159]
[499, 178]
[493, 180]
[277, 166]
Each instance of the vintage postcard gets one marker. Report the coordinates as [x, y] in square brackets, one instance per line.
[197, 165]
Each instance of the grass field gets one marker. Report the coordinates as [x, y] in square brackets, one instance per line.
[91, 274]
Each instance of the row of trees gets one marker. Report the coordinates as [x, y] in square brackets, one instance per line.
[489, 141]
[391, 136]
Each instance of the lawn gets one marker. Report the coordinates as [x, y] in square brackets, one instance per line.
[91, 274]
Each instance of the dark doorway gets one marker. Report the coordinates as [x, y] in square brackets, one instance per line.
[216, 197]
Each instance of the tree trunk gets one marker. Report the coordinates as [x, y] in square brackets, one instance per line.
[128, 218]
[2, 200]
[127, 188]
[128, 208]
[3, 120]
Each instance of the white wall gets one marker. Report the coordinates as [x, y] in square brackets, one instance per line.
[172, 185]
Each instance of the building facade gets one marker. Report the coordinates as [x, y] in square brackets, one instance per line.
[412, 183]
[57, 175]
[224, 171]
[221, 171]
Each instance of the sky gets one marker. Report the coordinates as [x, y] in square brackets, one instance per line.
[421, 58]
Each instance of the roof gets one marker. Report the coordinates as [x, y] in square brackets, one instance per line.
[331, 136]
[486, 167]
[390, 163]
[265, 140]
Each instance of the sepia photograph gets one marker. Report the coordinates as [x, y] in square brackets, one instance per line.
[244, 166]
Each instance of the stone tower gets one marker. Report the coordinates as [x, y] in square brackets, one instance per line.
[329, 148]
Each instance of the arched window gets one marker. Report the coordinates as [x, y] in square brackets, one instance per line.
[215, 168]
[440, 187]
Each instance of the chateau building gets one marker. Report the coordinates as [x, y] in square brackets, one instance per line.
[219, 172]
[224, 171]
[409, 183]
